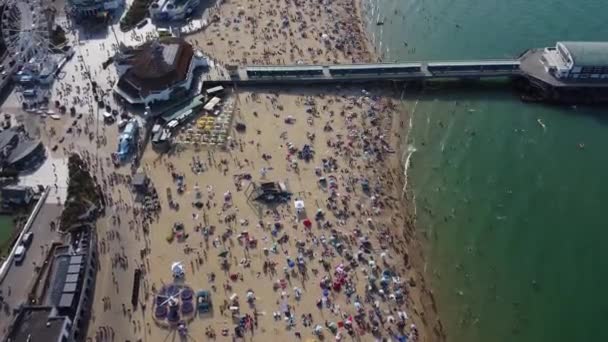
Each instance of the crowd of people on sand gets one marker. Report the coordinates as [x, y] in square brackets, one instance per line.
[256, 32]
[347, 242]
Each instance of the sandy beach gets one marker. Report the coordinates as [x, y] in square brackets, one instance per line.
[262, 152]
[285, 32]
[347, 263]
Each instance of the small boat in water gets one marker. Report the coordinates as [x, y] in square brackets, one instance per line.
[541, 123]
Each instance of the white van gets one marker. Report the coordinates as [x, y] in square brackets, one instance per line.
[19, 254]
[27, 239]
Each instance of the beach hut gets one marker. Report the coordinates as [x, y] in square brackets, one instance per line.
[140, 182]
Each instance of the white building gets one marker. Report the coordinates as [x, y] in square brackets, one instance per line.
[156, 70]
[172, 9]
[577, 60]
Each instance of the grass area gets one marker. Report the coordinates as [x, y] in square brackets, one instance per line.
[136, 13]
[6, 232]
[83, 193]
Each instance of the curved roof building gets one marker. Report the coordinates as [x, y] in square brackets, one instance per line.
[19, 152]
[26, 155]
[152, 72]
[577, 61]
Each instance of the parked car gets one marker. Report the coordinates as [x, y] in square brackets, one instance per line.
[19, 255]
[27, 239]
[203, 301]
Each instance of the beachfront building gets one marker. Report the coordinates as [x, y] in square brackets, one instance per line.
[92, 9]
[157, 70]
[577, 60]
[63, 294]
[167, 10]
[40, 323]
[18, 152]
[16, 195]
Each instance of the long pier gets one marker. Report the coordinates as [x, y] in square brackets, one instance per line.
[528, 67]
[349, 73]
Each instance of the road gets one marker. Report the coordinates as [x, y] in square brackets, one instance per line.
[20, 278]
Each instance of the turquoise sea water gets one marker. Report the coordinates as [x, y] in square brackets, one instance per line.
[514, 212]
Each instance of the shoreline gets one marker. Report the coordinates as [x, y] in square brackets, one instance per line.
[407, 205]
[424, 305]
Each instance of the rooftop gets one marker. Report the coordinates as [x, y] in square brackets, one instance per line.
[23, 150]
[174, 113]
[8, 137]
[65, 280]
[15, 192]
[159, 64]
[139, 179]
[59, 273]
[532, 66]
[34, 324]
[588, 53]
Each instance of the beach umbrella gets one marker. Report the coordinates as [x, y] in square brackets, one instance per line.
[307, 223]
[223, 254]
[299, 205]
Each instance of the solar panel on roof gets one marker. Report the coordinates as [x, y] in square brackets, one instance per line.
[76, 260]
[72, 278]
[69, 287]
[66, 300]
[74, 269]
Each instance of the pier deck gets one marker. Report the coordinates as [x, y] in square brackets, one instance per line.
[528, 65]
[531, 65]
[290, 74]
